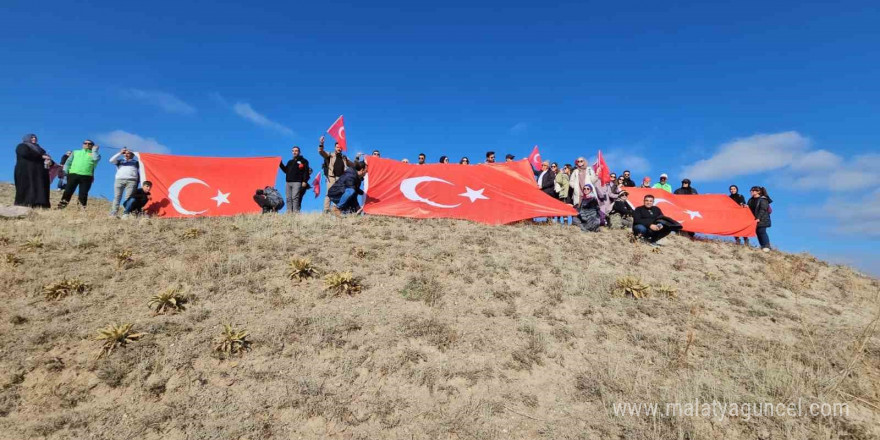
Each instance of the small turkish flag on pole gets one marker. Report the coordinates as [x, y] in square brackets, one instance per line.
[316, 184]
[601, 169]
[535, 158]
[337, 130]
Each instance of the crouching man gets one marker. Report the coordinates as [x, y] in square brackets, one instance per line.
[343, 194]
[135, 203]
[650, 224]
[269, 199]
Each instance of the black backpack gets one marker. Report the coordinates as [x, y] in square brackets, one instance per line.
[273, 196]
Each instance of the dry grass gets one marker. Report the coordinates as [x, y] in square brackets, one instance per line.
[300, 269]
[340, 283]
[64, 288]
[457, 330]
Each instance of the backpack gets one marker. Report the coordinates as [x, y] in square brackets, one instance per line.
[273, 196]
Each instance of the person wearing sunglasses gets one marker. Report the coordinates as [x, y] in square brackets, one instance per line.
[80, 171]
[582, 175]
[464, 161]
[563, 190]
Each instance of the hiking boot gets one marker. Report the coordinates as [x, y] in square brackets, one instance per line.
[335, 211]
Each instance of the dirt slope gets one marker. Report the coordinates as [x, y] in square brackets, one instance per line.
[459, 331]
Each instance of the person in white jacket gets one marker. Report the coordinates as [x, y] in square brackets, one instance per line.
[127, 175]
[583, 174]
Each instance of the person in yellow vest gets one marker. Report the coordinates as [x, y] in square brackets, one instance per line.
[80, 171]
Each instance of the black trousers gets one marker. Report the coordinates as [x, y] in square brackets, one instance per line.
[73, 181]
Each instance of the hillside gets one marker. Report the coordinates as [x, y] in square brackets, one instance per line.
[460, 331]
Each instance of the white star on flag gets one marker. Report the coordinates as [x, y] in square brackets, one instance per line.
[473, 194]
[693, 214]
[221, 198]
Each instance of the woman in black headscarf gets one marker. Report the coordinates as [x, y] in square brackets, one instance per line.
[32, 173]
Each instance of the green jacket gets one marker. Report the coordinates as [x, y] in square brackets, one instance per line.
[82, 162]
[667, 187]
[562, 185]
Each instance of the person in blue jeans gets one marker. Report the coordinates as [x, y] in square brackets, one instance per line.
[135, 203]
[760, 206]
[343, 194]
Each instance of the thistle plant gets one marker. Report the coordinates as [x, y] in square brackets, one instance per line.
[65, 288]
[123, 258]
[232, 341]
[168, 301]
[631, 287]
[116, 336]
[300, 269]
[342, 282]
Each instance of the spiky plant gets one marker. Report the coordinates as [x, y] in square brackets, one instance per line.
[342, 282]
[667, 291]
[300, 269]
[123, 258]
[232, 341]
[631, 286]
[359, 252]
[170, 300]
[115, 335]
[13, 260]
[192, 233]
[64, 288]
[33, 243]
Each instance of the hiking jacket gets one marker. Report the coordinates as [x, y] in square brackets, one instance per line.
[562, 185]
[574, 181]
[760, 207]
[296, 170]
[82, 162]
[125, 169]
[334, 164]
[687, 191]
[349, 179]
[622, 208]
[645, 216]
[664, 186]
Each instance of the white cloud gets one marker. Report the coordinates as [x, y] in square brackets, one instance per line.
[837, 174]
[518, 128]
[619, 161]
[245, 110]
[854, 215]
[816, 160]
[754, 154]
[163, 100]
[121, 138]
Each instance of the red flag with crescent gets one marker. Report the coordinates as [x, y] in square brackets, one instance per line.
[316, 185]
[714, 214]
[535, 158]
[492, 193]
[601, 169]
[337, 130]
[189, 186]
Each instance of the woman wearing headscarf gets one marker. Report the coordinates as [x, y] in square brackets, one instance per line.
[741, 201]
[588, 210]
[582, 175]
[32, 165]
[444, 159]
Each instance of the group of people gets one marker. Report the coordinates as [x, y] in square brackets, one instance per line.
[34, 169]
[597, 204]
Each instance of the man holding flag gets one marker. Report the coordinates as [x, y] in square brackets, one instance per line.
[296, 173]
[334, 166]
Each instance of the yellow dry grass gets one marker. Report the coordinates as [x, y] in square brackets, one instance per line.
[459, 331]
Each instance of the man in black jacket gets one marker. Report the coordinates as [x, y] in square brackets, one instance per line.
[646, 222]
[547, 179]
[297, 174]
[627, 179]
[686, 188]
[343, 194]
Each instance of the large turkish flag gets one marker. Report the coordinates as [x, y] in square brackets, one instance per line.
[714, 214]
[492, 193]
[189, 186]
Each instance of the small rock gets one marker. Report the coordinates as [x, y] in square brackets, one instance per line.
[14, 211]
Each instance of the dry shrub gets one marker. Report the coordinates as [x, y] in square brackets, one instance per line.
[116, 336]
[232, 342]
[435, 332]
[300, 269]
[422, 288]
[637, 258]
[792, 274]
[123, 258]
[679, 264]
[171, 300]
[631, 287]
[32, 244]
[342, 283]
[666, 291]
[192, 233]
[65, 288]
[13, 260]
[531, 354]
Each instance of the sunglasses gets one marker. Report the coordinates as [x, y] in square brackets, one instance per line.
[88, 143]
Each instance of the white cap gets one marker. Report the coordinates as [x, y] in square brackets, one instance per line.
[664, 175]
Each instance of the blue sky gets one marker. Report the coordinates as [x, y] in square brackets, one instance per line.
[782, 94]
